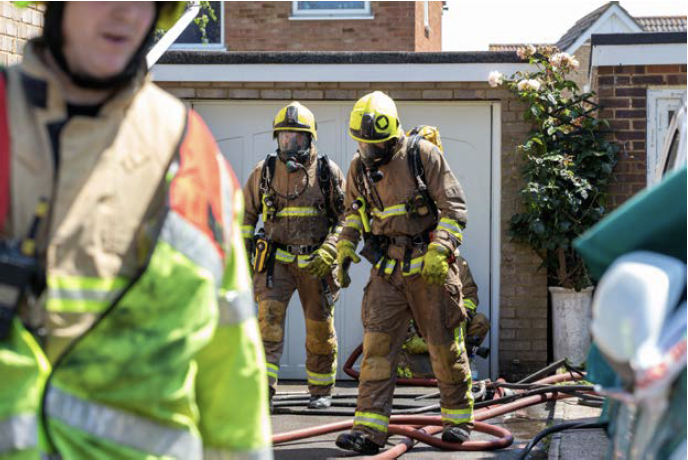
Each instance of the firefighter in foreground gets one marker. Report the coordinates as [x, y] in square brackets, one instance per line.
[403, 198]
[298, 193]
[126, 321]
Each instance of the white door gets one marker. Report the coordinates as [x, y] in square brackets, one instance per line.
[243, 132]
[662, 104]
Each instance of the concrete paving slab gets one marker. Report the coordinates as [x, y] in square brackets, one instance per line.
[576, 444]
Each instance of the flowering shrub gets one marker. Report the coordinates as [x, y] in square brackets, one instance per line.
[568, 162]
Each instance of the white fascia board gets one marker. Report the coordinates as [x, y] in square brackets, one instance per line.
[614, 10]
[645, 54]
[333, 72]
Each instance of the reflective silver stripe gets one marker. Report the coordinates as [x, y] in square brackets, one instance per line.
[264, 453]
[18, 432]
[235, 307]
[227, 198]
[121, 427]
[82, 294]
[193, 243]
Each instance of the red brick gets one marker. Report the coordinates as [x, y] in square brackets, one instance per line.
[619, 124]
[615, 103]
[639, 103]
[663, 68]
[631, 114]
[648, 80]
[631, 91]
[676, 79]
[605, 70]
[640, 124]
[629, 69]
[607, 92]
[630, 135]
[622, 80]
[606, 81]
[640, 146]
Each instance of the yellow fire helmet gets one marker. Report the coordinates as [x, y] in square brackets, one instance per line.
[374, 119]
[170, 12]
[295, 117]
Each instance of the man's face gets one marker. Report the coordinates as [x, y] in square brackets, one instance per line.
[291, 141]
[101, 37]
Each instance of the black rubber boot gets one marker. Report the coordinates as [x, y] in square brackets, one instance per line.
[320, 402]
[456, 433]
[358, 443]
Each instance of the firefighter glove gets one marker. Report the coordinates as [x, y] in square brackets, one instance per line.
[346, 253]
[435, 264]
[322, 260]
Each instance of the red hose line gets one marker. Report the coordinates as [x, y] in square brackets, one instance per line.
[351, 372]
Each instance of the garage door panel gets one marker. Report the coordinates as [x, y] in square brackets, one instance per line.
[244, 133]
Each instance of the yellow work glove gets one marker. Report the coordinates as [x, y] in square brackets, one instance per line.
[435, 264]
[346, 253]
[322, 260]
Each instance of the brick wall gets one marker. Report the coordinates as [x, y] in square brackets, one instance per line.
[17, 25]
[622, 92]
[429, 39]
[265, 26]
[523, 301]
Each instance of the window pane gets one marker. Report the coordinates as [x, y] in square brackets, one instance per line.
[331, 6]
[213, 30]
[673, 153]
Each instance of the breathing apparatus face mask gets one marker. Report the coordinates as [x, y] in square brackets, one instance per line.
[376, 155]
[294, 148]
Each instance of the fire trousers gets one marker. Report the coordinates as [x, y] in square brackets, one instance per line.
[389, 303]
[318, 310]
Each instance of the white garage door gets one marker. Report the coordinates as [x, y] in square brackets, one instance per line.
[243, 132]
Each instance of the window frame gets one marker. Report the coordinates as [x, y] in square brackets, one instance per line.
[330, 14]
[206, 46]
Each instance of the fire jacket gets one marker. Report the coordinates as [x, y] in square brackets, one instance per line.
[301, 221]
[151, 348]
[390, 216]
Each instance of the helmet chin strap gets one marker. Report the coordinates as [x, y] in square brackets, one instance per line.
[54, 40]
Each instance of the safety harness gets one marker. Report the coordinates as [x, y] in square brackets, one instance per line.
[420, 204]
[333, 207]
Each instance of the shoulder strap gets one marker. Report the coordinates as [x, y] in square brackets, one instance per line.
[4, 154]
[418, 171]
[267, 173]
[333, 193]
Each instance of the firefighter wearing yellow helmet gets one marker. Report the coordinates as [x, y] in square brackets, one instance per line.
[126, 323]
[403, 198]
[297, 192]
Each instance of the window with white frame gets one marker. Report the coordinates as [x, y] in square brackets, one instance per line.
[331, 10]
[192, 37]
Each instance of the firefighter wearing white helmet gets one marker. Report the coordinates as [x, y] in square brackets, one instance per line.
[126, 323]
[297, 192]
[403, 199]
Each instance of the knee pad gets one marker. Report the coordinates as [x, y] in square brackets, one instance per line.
[320, 337]
[376, 365]
[271, 318]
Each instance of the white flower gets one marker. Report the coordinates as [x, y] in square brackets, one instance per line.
[533, 84]
[521, 85]
[496, 78]
[526, 52]
[556, 60]
[564, 61]
[575, 64]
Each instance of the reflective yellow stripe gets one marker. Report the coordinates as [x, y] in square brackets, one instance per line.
[304, 260]
[457, 416]
[284, 257]
[415, 266]
[337, 229]
[354, 221]
[320, 379]
[389, 267]
[247, 231]
[76, 294]
[452, 227]
[396, 210]
[272, 370]
[458, 337]
[372, 420]
[468, 303]
[295, 211]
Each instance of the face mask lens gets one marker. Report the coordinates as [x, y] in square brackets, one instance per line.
[291, 143]
[373, 154]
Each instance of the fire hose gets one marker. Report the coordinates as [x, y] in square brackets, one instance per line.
[416, 428]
